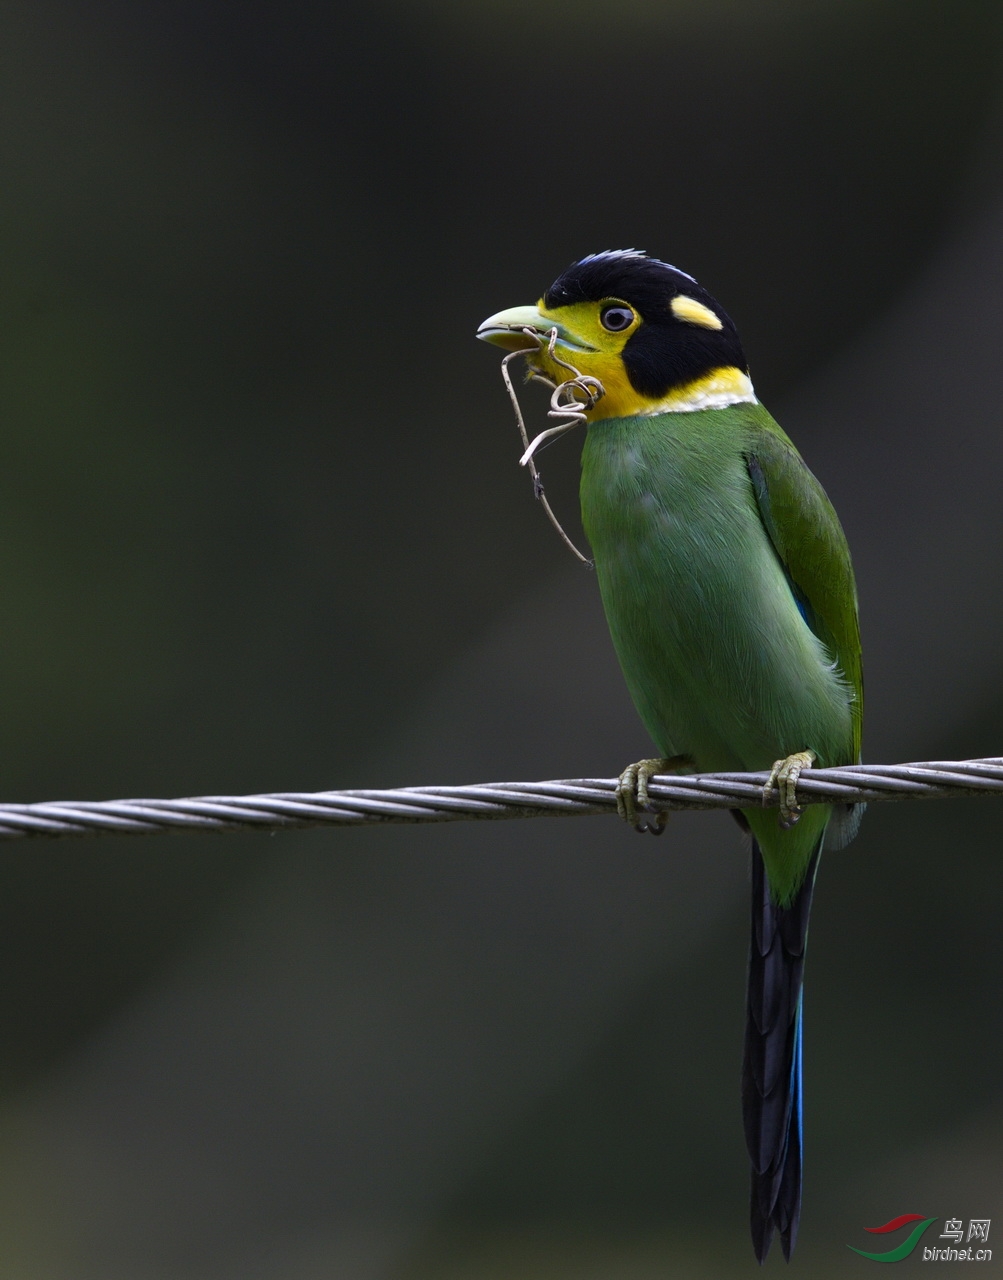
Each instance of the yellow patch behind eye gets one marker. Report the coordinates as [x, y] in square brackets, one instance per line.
[693, 312]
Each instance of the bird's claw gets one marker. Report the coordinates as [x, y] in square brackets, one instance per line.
[632, 792]
[784, 778]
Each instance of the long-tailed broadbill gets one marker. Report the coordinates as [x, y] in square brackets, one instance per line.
[729, 592]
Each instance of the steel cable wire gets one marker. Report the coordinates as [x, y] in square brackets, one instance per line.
[931, 780]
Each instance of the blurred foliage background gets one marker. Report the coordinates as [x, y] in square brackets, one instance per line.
[261, 528]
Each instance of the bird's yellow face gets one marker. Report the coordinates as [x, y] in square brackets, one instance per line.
[654, 346]
[583, 340]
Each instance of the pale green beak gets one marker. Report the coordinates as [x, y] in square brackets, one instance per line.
[507, 329]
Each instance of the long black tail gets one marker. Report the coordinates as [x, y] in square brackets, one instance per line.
[771, 1070]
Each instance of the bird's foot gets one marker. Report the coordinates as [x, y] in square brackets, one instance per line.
[632, 791]
[784, 777]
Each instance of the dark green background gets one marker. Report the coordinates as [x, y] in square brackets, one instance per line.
[261, 528]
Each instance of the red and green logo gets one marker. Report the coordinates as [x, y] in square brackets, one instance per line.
[904, 1249]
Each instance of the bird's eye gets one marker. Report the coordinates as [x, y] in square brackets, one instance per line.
[616, 319]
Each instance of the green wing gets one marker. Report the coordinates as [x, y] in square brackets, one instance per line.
[811, 546]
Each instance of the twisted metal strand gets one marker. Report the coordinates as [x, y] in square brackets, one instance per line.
[933, 780]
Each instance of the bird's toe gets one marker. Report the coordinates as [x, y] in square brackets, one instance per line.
[632, 791]
[784, 779]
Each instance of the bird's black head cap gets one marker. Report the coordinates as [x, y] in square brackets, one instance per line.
[667, 350]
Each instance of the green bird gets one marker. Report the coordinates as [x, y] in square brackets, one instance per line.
[729, 592]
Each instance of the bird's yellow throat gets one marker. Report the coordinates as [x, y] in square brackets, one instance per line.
[715, 390]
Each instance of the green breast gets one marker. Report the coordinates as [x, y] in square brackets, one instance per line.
[719, 661]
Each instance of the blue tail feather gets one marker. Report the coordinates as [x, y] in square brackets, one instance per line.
[771, 1070]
